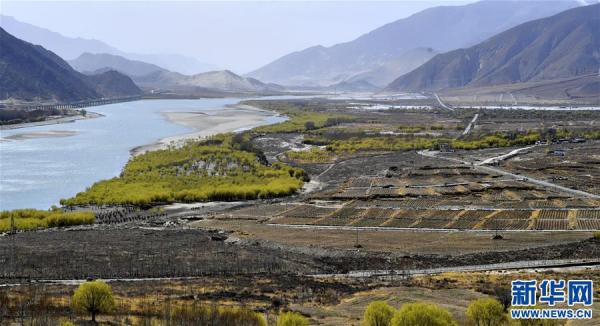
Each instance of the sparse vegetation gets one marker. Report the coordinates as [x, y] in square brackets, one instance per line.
[313, 155]
[196, 314]
[301, 121]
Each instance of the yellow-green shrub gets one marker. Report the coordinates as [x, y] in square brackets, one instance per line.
[216, 169]
[31, 219]
[291, 319]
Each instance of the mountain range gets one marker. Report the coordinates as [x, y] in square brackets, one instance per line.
[562, 46]
[155, 78]
[70, 48]
[222, 80]
[440, 29]
[30, 72]
[93, 62]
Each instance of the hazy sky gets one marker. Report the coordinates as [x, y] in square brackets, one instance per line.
[241, 36]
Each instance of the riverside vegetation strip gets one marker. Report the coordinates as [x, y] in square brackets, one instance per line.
[30, 219]
[223, 167]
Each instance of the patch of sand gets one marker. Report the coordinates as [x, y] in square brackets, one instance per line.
[41, 134]
[208, 123]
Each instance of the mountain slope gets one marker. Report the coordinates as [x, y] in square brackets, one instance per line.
[71, 47]
[561, 46]
[112, 84]
[223, 80]
[89, 62]
[387, 72]
[30, 72]
[441, 28]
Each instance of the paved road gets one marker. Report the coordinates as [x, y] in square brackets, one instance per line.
[517, 265]
[490, 169]
[504, 156]
[442, 103]
[471, 124]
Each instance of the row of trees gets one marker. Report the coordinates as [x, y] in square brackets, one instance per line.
[30, 219]
[480, 312]
[96, 297]
[350, 142]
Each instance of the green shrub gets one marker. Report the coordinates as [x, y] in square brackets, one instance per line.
[198, 314]
[93, 297]
[378, 313]
[291, 319]
[314, 155]
[31, 219]
[224, 167]
[422, 314]
[486, 312]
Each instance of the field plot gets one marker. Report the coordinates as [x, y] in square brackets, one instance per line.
[553, 214]
[385, 192]
[342, 216]
[359, 183]
[577, 167]
[407, 218]
[587, 220]
[587, 224]
[303, 214]
[508, 220]
[375, 217]
[436, 219]
[351, 193]
[260, 211]
[469, 219]
[593, 214]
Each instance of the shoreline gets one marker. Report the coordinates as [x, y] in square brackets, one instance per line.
[208, 124]
[55, 121]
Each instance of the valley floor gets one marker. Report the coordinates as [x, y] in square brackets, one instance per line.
[384, 216]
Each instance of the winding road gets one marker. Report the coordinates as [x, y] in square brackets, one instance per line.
[442, 103]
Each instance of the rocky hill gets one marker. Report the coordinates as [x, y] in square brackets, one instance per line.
[30, 72]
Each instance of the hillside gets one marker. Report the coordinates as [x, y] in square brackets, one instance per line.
[562, 46]
[90, 62]
[30, 72]
[223, 80]
[72, 47]
[113, 84]
[441, 28]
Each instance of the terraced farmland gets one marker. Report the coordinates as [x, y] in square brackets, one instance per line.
[303, 214]
[343, 216]
[411, 214]
[375, 217]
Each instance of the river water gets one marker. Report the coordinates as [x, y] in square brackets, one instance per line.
[37, 173]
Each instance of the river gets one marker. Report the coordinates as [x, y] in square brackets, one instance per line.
[38, 172]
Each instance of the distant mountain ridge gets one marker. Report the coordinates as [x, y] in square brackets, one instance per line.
[222, 80]
[561, 46]
[155, 78]
[30, 72]
[440, 28]
[92, 62]
[70, 48]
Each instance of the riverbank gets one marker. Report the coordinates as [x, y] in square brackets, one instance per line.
[53, 121]
[229, 118]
